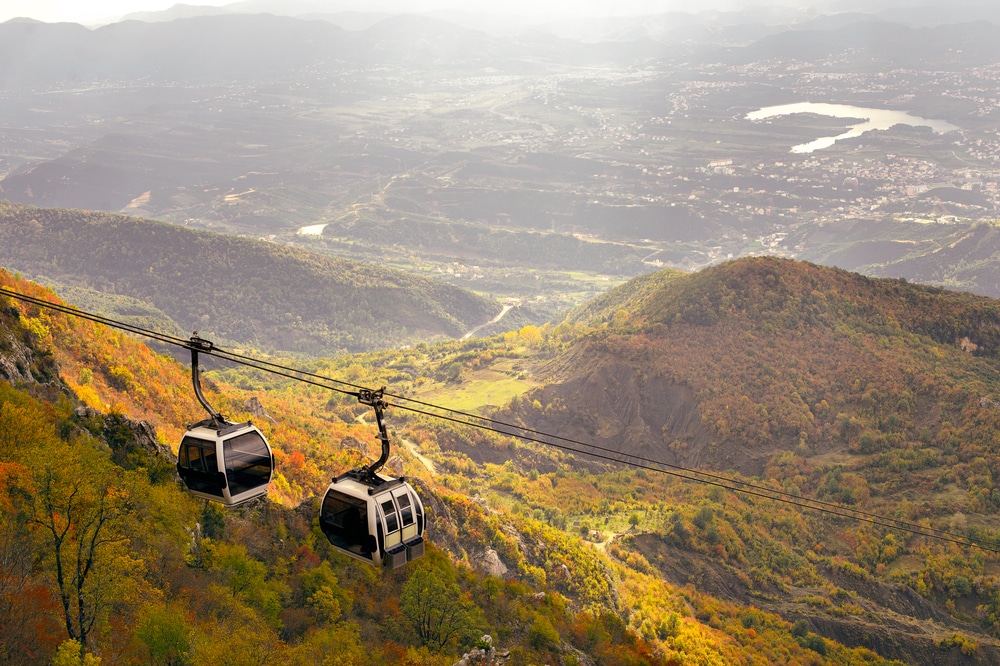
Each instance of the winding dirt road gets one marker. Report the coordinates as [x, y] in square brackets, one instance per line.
[505, 310]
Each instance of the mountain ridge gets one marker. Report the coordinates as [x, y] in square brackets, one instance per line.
[869, 393]
[243, 290]
[239, 46]
[756, 332]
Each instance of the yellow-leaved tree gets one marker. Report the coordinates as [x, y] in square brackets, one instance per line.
[77, 506]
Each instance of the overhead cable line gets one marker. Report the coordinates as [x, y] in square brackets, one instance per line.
[259, 364]
[734, 485]
[528, 434]
[636, 461]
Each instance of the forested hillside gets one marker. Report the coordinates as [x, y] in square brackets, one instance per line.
[243, 290]
[871, 393]
[779, 356]
[103, 556]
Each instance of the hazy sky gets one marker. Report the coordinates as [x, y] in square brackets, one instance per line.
[92, 11]
[84, 11]
[102, 11]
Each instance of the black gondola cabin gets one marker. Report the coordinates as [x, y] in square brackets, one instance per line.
[229, 462]
[379, 521]
[221, 461]
[372, 517]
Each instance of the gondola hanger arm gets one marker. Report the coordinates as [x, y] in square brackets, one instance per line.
[376, 400]
[196, 344]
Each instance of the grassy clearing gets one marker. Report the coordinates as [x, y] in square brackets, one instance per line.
[477, 390]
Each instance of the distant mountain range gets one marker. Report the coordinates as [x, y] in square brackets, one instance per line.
[258, 46]
[717, 25]
[919, 47]
[196, 45]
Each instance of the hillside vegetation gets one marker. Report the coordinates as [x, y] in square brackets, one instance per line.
[103, 555]
[871, 393]
[246, 291]
[778, 355]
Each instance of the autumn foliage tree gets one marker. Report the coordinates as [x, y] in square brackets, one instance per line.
[437, 609]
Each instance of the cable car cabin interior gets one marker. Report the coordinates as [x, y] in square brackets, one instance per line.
[378, 521]
[229, 463]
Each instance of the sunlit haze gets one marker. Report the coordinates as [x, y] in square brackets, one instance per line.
[102, 11]
[52, 11]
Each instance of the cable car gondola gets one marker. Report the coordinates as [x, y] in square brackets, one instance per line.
[370, 516]
[221, 461]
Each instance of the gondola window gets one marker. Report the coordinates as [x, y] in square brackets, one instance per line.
[391, 519]
[345, 522]
[405, 509]
[198, 455]
[248, 464]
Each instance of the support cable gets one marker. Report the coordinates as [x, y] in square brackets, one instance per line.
[569, 445]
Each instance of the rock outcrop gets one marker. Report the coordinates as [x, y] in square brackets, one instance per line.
[484, 654]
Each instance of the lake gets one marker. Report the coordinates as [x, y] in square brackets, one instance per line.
[873, 119]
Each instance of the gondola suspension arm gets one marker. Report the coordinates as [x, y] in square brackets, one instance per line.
[375, 400]
[196, 344]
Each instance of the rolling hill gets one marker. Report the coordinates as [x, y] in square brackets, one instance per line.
[246, 291]
[904, 46]
[800, 342]
[962, 258]
[871, 393]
